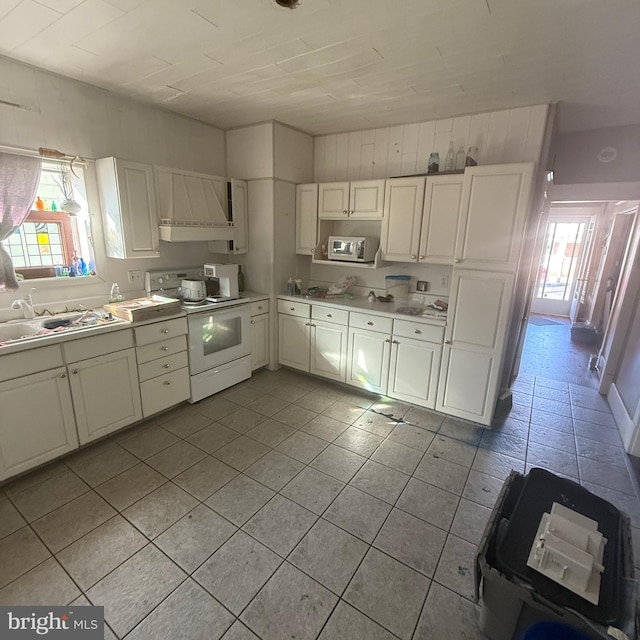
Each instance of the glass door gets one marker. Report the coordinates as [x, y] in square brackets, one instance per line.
[559, 266]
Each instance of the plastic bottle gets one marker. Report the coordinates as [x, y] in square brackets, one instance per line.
[240, 278]
[448, 161]
[39, 204]
[115, 295]
[82, 268]
[461, 156]
[434, 163]
[290, 285]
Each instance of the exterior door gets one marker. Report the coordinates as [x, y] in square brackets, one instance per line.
[559, 270]
[480, 304]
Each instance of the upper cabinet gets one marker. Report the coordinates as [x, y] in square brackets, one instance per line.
[239, 211]
[128, 197]
[493, 212]
[403, 201]
[306, 218]
[440, 217]
[363, 199]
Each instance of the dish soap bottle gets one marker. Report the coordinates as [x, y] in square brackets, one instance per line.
[240, 278]
[448, 161]
[115, 295]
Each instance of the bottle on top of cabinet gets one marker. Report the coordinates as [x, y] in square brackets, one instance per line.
[448, 161]
[460, 159]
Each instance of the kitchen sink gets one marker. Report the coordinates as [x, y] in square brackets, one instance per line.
[17, 330]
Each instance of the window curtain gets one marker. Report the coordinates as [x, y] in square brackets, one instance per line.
[19, 179]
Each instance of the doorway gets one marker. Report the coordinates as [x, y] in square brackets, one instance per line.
[564, 257]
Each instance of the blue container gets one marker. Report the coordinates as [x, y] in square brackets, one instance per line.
[553, 631]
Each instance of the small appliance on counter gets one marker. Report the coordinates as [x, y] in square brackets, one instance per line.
[227, 277]
[352, 248]
[193, 290]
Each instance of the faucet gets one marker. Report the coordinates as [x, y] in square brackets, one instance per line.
[26, 304]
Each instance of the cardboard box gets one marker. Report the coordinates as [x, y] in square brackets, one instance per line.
[148, 308]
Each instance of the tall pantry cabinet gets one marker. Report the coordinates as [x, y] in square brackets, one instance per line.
[494, 207]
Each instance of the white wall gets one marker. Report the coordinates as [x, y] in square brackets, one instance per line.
[250, 152]
[80, 119]
[512, 135]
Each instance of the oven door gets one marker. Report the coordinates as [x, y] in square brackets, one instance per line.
[217, 337]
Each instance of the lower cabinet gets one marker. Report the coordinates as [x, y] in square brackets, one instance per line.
[260, 356]
[105, 394]
[328, 355]
[294, 341]
[413, 372]
[37, 421]
[368, 360]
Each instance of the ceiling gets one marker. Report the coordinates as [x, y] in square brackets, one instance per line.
[341, 65]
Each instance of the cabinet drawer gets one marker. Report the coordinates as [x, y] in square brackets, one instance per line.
[165, 391]
[373, 323]
[259, 307]
[161, 349]
[299, 309]
[329, 314]
[24, 363]
[86, 348]
[160, 331]
[418, 331]
[161, 366]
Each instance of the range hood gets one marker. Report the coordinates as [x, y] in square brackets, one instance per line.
[193, 206]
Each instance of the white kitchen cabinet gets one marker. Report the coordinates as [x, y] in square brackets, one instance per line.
[129, 211]
[306, 218]
[294, 341]
[259, 334]
[106, 393]
[441, 213]
[361, 199]
[37, 420]
[480, 304]
[403, 203]
[328, 355]
[368, 356]
[163, 364]
[493, 211]
[239, 212]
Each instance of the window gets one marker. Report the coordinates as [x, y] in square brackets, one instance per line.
[51, 243]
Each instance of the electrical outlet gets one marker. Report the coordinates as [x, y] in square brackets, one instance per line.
[135, 278]
[444, 281]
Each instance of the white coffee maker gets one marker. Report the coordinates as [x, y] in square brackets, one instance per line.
[227, 277]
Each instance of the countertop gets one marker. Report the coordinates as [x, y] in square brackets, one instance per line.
[387, 309]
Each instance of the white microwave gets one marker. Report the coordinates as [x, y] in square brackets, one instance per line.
[352, 249]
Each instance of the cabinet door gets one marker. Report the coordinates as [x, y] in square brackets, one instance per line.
[306, 218]
[403, 202]
[329, 350]
[37, 421]
[130, 216]
[106, 394]
[259, 341]
[413, 374]
[440, 219]
[493, 212]
[333, 200]
[293, 341]
[479, 308]
[366, 199]
[368, 360]
[239, 206]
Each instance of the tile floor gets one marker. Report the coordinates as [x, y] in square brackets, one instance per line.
[289, 507]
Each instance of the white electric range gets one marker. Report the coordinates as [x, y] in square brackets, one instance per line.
[219, 335]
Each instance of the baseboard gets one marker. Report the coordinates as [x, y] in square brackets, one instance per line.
[628, 431]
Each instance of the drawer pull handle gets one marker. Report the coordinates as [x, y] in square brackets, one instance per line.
[447, 341]
[417, 331]
[253, 322]
[165, 348]
[387, 340]
[63, 375]
[395, 342]
[292, 308]
[167, 382]
[166, 366]
[165, 331]
[75, 372]
[413, 257]
[370, 324]
[421, 257]
[259, 307]
[344, 212]
[457, 261]
[329, 315]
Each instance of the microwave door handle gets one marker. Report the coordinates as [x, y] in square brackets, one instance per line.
[360, 250]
